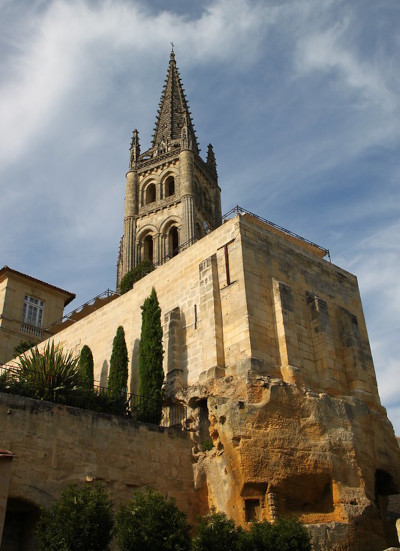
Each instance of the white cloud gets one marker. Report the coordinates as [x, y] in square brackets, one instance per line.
[289, 91]
[73, 47]
[335, 49]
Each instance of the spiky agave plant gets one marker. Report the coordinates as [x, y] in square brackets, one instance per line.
[50, 373]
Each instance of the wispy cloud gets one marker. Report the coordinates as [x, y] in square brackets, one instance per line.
[300, 100]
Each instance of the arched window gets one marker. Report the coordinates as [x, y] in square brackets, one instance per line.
[150, 194]
[169, 186]
[173, 241]
[148, 248]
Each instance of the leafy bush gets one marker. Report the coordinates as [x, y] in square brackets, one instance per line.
[258, 538]
[22, 347]
[152, 522]
[206, 446]
[282, 535]
[131, 277]
[81, 520]
[217, 532]
[289, 535]
[85, 366]
[118, 376]
[151, 374]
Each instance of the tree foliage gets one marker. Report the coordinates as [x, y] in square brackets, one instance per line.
[81, 520]
[85, 366]
[217, 532]
[151, 374]
[131, 277]
[288, 534]
[118, 376]
[152, 522]
[23, 346]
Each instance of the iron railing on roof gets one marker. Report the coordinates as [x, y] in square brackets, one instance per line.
[99, 398]
[105, 294]
[240, 210]
[175, 252]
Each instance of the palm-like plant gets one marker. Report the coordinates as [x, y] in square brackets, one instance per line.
[50, 373]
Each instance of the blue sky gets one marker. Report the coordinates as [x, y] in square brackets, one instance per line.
[299, 99]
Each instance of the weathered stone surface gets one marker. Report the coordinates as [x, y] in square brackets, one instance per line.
[55, 445]
[266, 343]
[280, 450]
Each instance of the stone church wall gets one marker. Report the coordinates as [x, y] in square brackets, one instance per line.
[244, 298]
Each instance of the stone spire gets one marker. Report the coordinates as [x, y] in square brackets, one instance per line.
[134, 150]
[173, 119]
[211, 162]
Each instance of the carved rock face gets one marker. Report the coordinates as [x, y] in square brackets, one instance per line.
[281, 451]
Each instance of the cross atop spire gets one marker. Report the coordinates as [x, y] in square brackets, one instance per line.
[173, 118]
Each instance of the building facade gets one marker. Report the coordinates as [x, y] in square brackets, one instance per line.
[27, 307]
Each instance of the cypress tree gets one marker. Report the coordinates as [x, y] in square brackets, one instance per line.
[85, 367]
[151, 374]
[118, 376]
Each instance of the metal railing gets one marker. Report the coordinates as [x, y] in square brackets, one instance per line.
[175, 252]
[240, 210]
[105, 294]
[46, 387]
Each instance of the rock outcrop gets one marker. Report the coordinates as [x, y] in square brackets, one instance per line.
[280, 450]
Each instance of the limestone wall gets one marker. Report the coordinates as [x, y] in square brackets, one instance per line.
[305, 317]
[55, 445]
[180, 283]
[245, 297]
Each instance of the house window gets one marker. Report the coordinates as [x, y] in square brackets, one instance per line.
[33, 311]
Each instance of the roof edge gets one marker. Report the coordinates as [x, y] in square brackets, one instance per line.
[70, 296]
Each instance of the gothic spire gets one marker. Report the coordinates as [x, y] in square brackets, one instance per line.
[173, 118]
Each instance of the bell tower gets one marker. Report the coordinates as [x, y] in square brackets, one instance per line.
[172, 195]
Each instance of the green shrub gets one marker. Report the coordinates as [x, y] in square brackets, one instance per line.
[152, 522]
[151, 374]
[131, 277]
[85, 366]
[258, 538]
[118, 376]
[48, 375]
[217, 532]
[282, 535]
[206, 446]
[81, 520]
[22, 347]
[289, 535]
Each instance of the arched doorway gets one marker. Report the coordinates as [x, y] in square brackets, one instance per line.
[19, 526]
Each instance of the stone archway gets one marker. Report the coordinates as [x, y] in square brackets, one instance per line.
[20, 525]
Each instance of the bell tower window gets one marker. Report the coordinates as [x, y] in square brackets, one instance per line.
[150, 194]
[148, 248]
[173, 241]
[170, 186]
